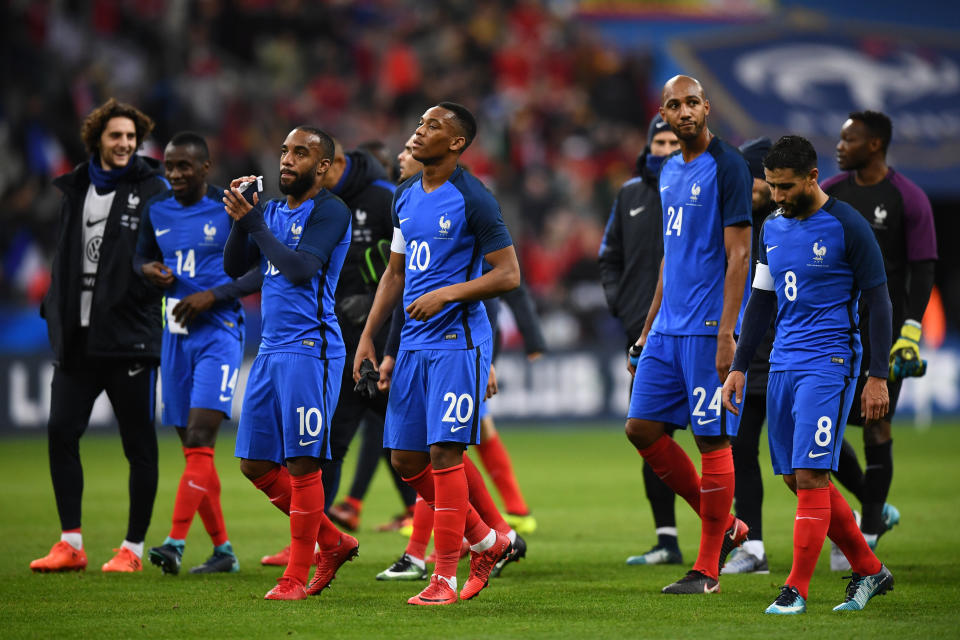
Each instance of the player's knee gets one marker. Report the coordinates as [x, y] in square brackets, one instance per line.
[876, 433]
[791, 481]
[642, 433]
[708, 444]
[253, 469]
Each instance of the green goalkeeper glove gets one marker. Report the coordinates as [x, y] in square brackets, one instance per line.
[905, 359]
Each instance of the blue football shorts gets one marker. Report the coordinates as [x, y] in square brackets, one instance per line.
[287, 407]
[198, 371]
[676, 383]
[436, 396]
[806, 417]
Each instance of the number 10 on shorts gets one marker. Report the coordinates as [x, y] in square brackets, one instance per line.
[308, 418]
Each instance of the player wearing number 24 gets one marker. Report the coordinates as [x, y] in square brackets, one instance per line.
[817, 258]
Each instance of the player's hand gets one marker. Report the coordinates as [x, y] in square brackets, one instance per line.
[192, 306]
[633, 357]
[726, 346]
[386, 373]
[427, 305]
[365, 351]
[733, 386]
[158, 273]
[875, 400]
[905, 355]
[236, 182]
[235, 204]
[492, 383]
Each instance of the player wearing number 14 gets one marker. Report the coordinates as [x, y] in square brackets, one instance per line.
[180, 249]
[817, 257]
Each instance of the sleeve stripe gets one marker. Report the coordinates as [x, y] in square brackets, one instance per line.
[763, 279]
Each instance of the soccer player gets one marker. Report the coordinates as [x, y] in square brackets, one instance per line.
[748, 494]
[104, 328]
[817, 257]
[182, 235]
[445, 221]
[630, 256]
[300, 243]
[687, 339]
[902, 221]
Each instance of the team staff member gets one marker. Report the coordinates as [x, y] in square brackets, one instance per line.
[182, 235]
[104, 327]
[902, 221]
[817, 258]
[630, 256]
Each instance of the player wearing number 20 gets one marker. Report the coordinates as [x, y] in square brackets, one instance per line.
[817, 257]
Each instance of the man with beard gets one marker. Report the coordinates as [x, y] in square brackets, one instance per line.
[748, 494]
[180, 250]
[902, 221]
[104, 328]
[300, 243]
[817, 258]
[688, 337]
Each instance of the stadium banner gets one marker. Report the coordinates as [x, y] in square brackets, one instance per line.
[805, 77]
[579, 385]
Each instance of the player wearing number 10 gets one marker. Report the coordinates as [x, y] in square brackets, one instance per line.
[299, 243]
[180, 249]
[445, 224]
[817, 257]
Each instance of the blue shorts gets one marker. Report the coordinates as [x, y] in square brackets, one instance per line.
[435, 396]
[676, 383]
[198, 371]
[806, 418]
[287, 407]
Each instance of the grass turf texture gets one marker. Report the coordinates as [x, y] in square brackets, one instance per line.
[586, 490]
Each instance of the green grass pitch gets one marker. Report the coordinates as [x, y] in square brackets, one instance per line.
[586, 490]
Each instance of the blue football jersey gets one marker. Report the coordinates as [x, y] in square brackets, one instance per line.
[699, 199]
[818, 266]
[445, 234]
[191, 240]
[301, 319]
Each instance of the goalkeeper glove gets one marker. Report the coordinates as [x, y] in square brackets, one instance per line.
[905, 359]
[367, 384]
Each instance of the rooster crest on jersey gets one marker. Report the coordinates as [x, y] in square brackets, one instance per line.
[361, 216]
[444, 224]
[819, 251]
[209, 231]
[694, 191]
[879, 216]
[295, 230]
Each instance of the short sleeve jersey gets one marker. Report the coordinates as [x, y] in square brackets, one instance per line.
[700, 198]
[444, 236]
[301, 318]
[818, 266]
[901, 217]
[191, 240]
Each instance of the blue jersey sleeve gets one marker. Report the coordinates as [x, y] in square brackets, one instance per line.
[486, 223]
[325, 228]
[147, 246]
[863, 252]
[736, 189]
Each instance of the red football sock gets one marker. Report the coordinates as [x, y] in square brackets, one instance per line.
[422, 529]
[809, 532]
[496, 460]
[194, 485]
[276, 484]
[306, 510]
[354, 502]
[672, 465]
[480, 498]
[845, 532]
[449, 518]
[716, 498]
[210, 510]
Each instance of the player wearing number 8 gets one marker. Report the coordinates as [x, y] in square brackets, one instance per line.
[817, 257]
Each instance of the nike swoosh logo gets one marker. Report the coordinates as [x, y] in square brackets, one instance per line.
[160, 232]
[455, 429]
[224, 398]
[808, 518]
[193, 485]
[772, 248]
[134, 371]
[702, 422]
[303, 444]
[636, 211]
[93, 223]
[712, 490]
[817, 455]
[402, 220]
[662, 189]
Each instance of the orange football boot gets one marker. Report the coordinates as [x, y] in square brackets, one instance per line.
[125, 561]
[62, 557]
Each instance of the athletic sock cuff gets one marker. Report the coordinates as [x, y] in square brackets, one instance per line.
[813, 498]
[267, 479]
[657, 447]
[306, 480]
[454, 468]
[198, 451]
[413, 479]
[717, 462]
